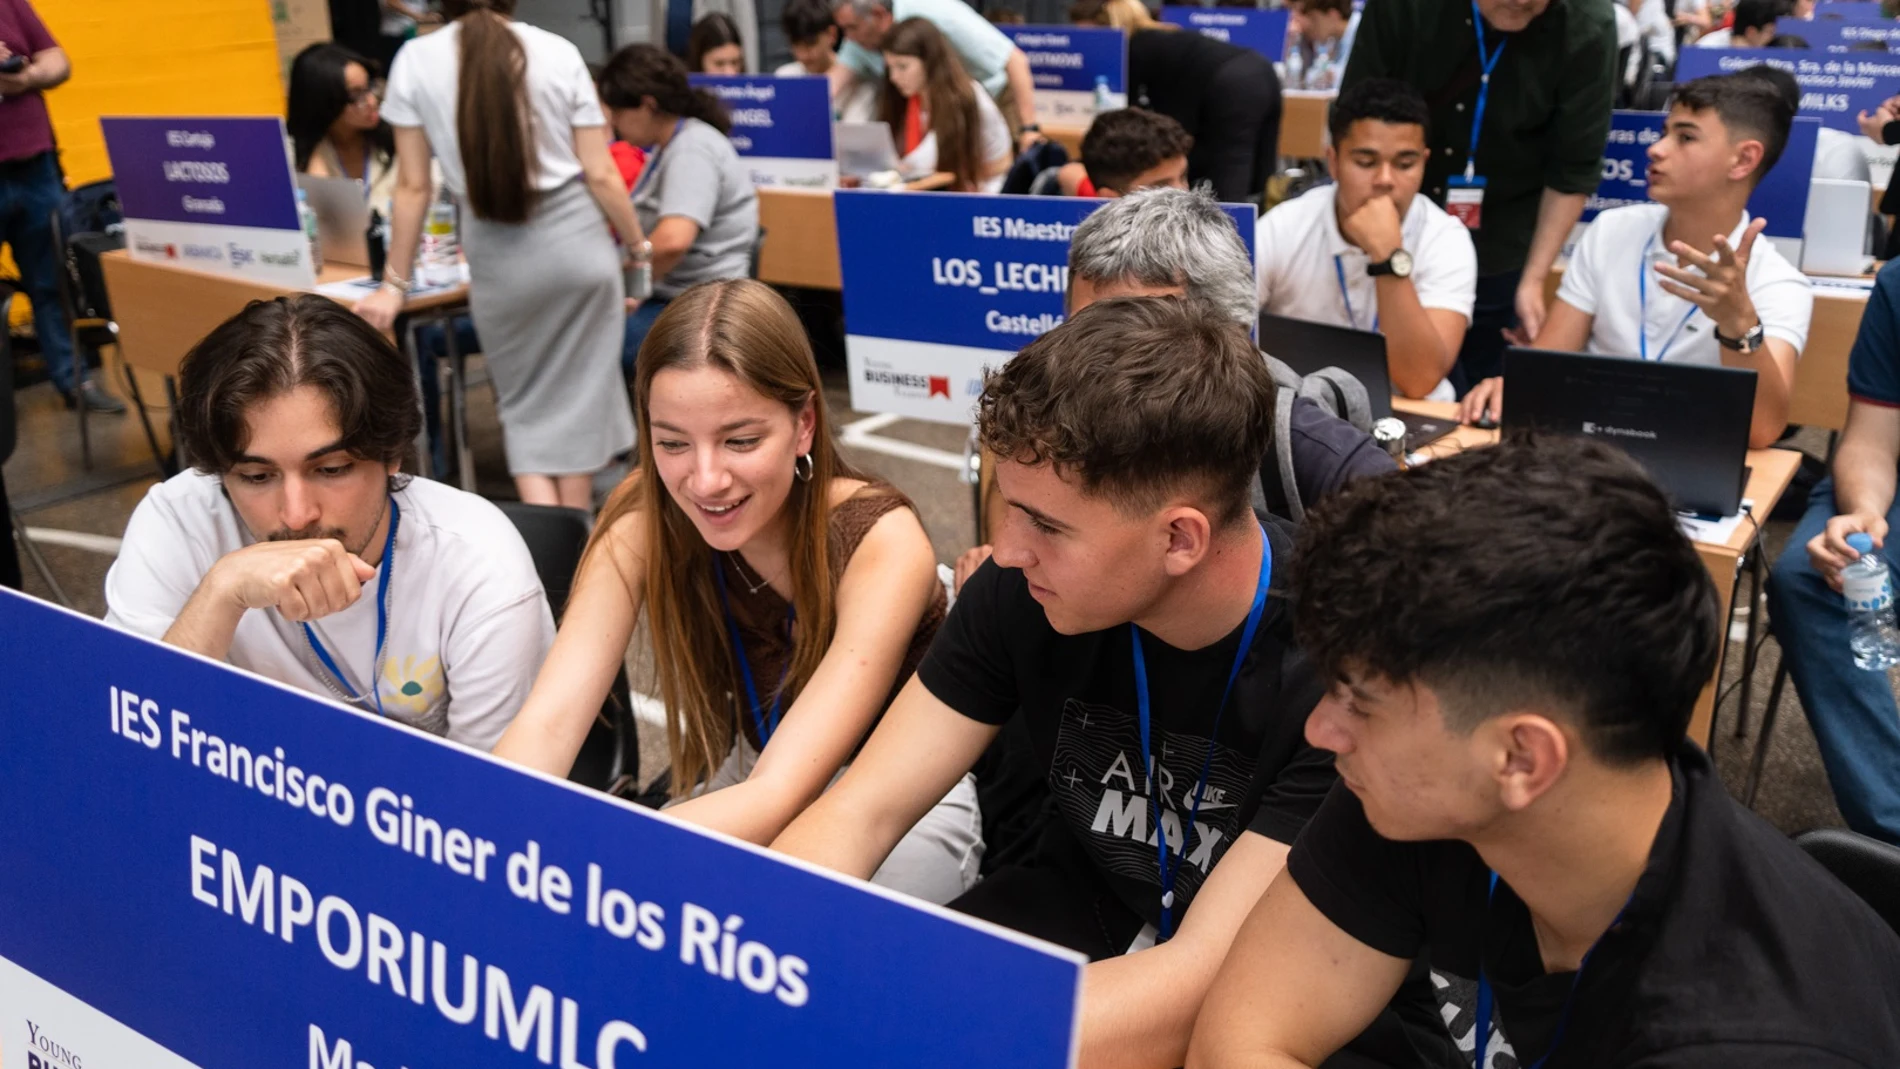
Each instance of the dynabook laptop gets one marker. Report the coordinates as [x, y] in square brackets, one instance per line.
[1306, 347]
[1687, 424]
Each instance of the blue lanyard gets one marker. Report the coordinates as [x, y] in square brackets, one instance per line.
[759, 718]
[1563, 1019]
[1487, 63]
[1642, 315]
[653, 160]
[1170, 871]
[1339, 271]
[382, 621]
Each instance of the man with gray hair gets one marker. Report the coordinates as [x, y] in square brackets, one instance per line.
[1172, 243]
[987, 54]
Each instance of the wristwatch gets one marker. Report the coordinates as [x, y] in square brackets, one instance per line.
[1032, 128]
[1750, 342]
[1398, 265]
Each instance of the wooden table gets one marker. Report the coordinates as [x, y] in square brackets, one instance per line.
[801, 234]
[164, 309]
[1302, 125]
[1770, 472]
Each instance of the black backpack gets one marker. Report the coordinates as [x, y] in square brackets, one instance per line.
[1275, 489]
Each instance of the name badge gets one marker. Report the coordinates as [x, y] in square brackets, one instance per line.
[1464, 200]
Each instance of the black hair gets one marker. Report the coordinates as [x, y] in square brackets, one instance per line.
[319, 94]
[271, 348]
[1779, 80]
[806, 20]
[1754, 14]
[1544, 573]
[1789, 40]
[1122, 144]
[712, 31]
[1385, 100]
[640, 71]
[1749, 104]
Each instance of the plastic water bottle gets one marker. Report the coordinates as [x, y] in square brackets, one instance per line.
[1104, 100]
[307, 218]
[1295, 63]
[440, 259]
[1869, 591]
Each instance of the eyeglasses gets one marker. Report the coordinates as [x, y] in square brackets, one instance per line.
[373, 89]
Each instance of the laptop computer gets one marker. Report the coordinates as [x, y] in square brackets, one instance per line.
[864, 148]
[1687, 424]
[1307, 346]
[342, 218]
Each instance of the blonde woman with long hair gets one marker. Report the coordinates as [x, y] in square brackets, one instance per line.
[788, 595]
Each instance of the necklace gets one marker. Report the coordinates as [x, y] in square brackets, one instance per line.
[739, 563]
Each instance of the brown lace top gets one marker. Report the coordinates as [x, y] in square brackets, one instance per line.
[762, 616]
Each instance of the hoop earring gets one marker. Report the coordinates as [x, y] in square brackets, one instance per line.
[804, 474]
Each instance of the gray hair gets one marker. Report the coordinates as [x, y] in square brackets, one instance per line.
[862, 8]
[1168, 237]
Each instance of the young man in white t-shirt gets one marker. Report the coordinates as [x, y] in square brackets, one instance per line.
[1685, 279]
[296, 551]
[1368, 252]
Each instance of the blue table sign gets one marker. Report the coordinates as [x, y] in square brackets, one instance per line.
[200, 867]
[1834, 87]
[1262, 31]
[1841, 34]
[215, 194]
[1065, 62]
[976, 278]
[781, 127]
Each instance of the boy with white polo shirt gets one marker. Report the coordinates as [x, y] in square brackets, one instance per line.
[1685, 279]
[1368, 252]
[295, 550]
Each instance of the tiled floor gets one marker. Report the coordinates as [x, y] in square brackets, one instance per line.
[46, 480]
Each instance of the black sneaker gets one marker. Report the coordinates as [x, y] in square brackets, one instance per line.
[95, 399]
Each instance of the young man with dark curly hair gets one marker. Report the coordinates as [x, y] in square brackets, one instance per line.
[1134, 612]
[296, 551]
[1515, 638]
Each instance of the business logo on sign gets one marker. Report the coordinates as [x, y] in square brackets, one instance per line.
[157, 248]
[907, 384]
[240, 255]
[204, 252]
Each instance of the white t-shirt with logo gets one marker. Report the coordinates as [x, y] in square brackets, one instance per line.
[1620, 245]
[468, 622]
[425, 79]
[1299, 240]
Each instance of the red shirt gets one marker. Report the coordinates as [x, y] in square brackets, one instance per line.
[1085, 188]
[914, 123]
[25, 129]
[629, 159]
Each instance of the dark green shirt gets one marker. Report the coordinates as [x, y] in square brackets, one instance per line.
[1545, 122]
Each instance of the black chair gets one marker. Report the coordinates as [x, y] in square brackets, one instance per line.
[1869, 867]
[87, 224]
[15, 530]
[610, 757]
[752, 258]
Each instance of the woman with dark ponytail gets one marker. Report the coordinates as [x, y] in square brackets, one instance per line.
[694, 197]
[511, 114]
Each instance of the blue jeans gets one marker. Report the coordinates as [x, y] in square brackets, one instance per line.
[1852, 711]
[639, 322]
[432, 345]
[29, 194]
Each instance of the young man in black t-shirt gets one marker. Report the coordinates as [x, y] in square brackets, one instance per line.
[1516, 637]
[1131, 582]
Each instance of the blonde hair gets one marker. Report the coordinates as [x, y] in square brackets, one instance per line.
[1130, 15]
[743, 328]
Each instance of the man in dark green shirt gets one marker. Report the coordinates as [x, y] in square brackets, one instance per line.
[1546, 116]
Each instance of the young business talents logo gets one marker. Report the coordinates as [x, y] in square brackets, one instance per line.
[906, 383]
[45, 1052]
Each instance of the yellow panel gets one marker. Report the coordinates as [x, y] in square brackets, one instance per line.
[136, 57]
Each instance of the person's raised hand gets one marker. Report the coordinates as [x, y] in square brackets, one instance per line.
[1721, 289]
[1485, 402]
[303, 579]
[1829, 552]
[381, 308]
[1375, 227]
[967, 564]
